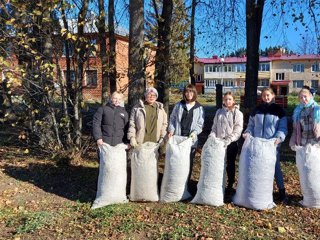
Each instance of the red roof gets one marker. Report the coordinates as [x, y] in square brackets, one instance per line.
[261, 59]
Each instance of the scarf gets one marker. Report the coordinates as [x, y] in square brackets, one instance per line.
[298, 109]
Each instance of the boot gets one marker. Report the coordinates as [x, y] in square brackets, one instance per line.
[283, 196]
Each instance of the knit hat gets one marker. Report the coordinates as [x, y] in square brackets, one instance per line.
[151, 90]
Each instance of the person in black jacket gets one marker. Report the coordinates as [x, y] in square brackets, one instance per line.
[110, 122]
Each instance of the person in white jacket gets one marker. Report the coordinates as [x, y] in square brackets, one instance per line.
[228, 125]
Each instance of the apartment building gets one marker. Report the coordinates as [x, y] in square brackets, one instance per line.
[284, 73]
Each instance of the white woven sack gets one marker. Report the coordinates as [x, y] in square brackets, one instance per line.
[112, 178]
[256, 174]
[177, 166]
[144, 173]
[308, 164]
[211, 183]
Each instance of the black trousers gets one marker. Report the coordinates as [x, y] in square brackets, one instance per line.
[232, 151]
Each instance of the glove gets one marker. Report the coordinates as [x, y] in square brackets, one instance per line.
[133, 142]
[293, 148]
[246, 135]
[193, 135]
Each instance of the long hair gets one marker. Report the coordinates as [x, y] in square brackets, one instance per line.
[191, 88]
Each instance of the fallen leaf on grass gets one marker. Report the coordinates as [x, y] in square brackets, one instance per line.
[281, 230]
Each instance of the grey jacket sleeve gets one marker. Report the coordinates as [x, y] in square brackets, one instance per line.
[199, 122]
[282, 130]
[173, 118]
[237, 128]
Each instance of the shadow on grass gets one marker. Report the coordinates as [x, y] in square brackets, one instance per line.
[71, 182]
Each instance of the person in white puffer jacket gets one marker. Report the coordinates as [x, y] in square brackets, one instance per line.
[228, 125]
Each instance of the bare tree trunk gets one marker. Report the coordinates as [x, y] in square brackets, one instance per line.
[79, 75]
[103, 52]
[136, 52]
[163, 52]
[192, 36]
[70, 89]
[112, 48]
[254, 12]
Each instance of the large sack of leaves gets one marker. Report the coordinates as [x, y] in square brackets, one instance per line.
[112, 178]
[212, 176]
[177, 166]
[256, 174]
[308, 164]
[144, 173]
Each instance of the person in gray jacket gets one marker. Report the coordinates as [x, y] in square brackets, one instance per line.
[187, 119]
[228, 125]
[268, 120]
[110, 122]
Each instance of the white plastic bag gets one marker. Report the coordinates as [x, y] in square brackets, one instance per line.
[112, 178]
[176, 171]
[256, 174]
[308, 164]
[212, 176]
[144, 173]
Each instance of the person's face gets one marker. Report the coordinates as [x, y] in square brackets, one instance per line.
[189, 95]
[151, 98]
[304, 97]
[116, 99]
[267, 96]
[228, 101]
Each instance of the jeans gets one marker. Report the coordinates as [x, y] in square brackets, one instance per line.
[278, 173]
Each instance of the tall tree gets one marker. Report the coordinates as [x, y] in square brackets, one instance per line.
[192, 37]
[136, 52]
[103, 51]
[112, 48]
[254, 12]
[163, 51]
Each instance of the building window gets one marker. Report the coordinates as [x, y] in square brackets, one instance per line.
[297, 83]
[315, 84]
[91, 78]
[315, 67]
[228, 83]
[298, 68]
[279, 76]
[211, 83]
[240, 68]
[72, 75]
[264, 67]
[264, 82]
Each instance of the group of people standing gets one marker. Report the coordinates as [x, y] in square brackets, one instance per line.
[148, 122]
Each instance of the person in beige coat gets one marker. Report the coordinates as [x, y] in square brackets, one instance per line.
[148, 120]
[228, 126]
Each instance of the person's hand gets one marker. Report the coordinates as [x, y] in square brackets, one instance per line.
[277, 141]
[293, 148]
[226, 142]
[99, 142]
[133, 142]
[170, 134]
[246, 135]
[212, 134]
[193, 135]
